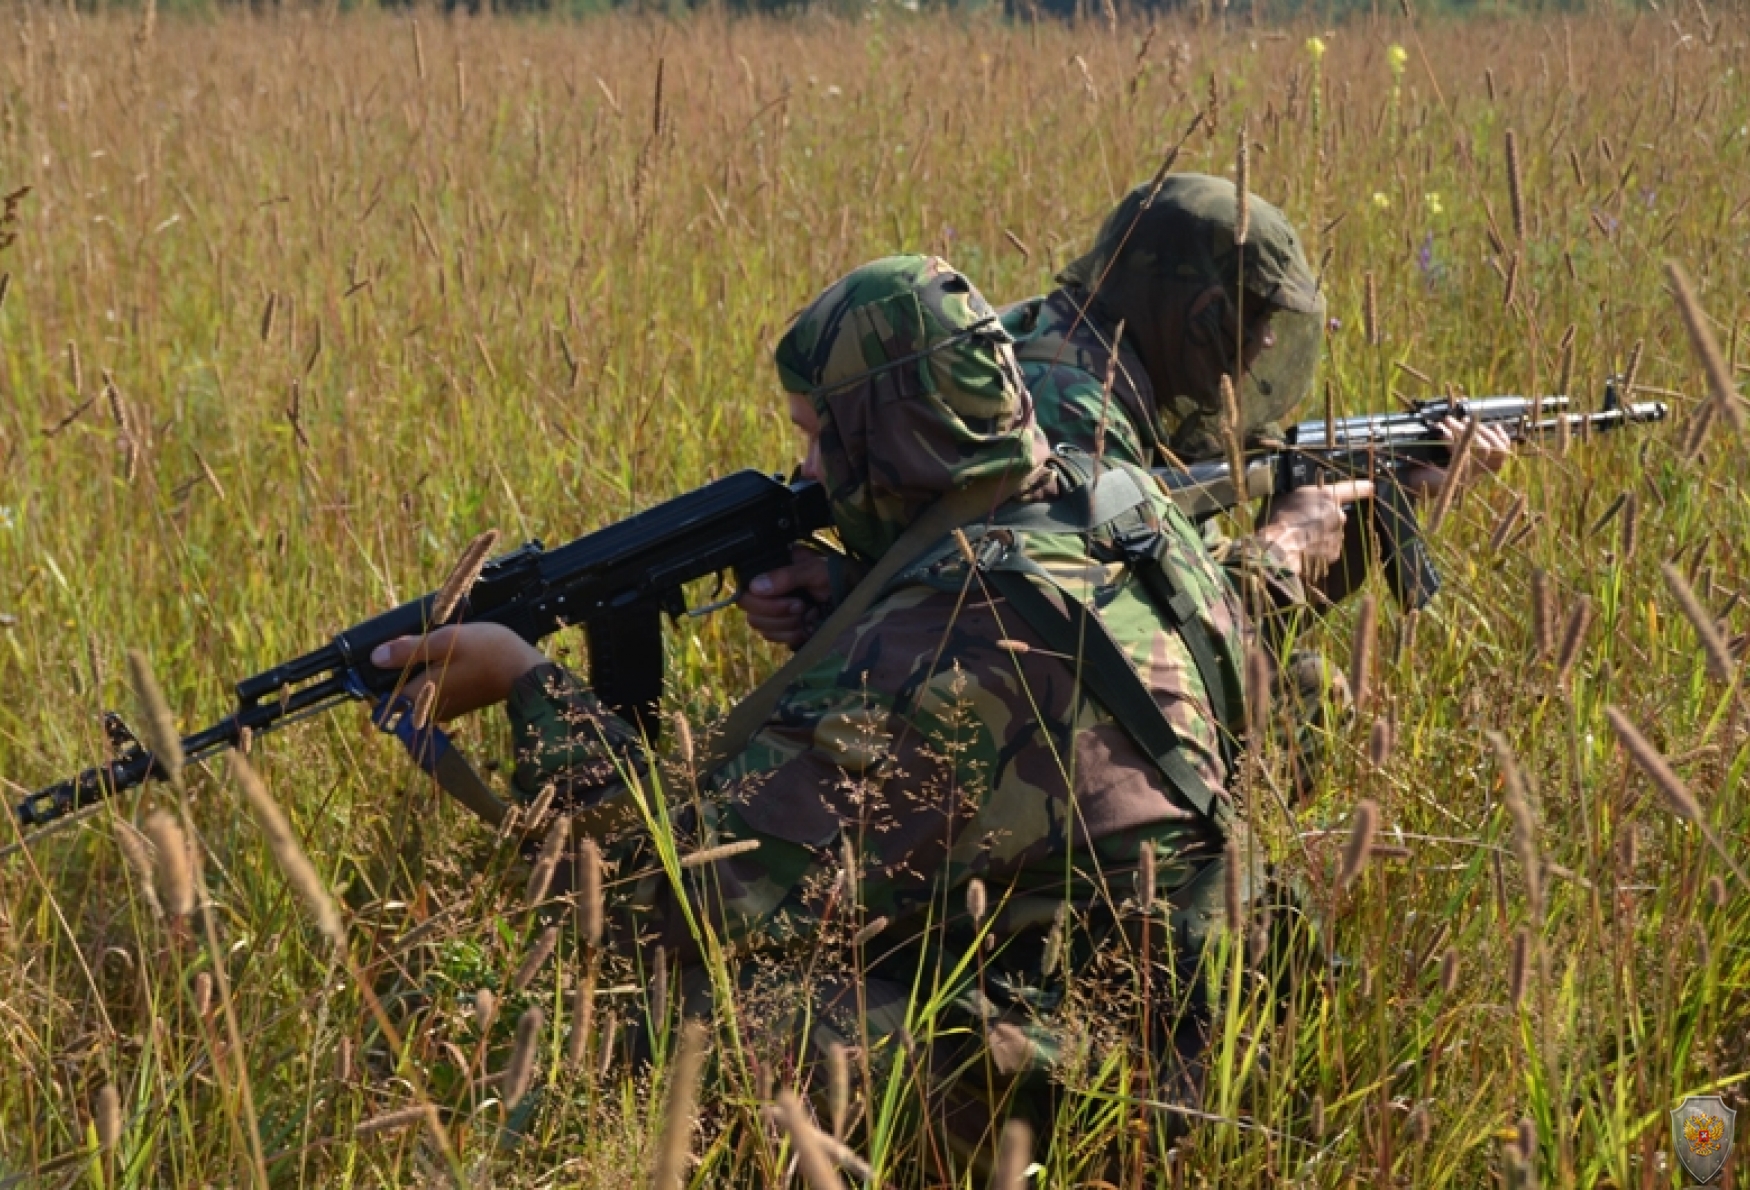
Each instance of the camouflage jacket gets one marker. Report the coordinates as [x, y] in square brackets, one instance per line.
[1065, 359]
[939, 739]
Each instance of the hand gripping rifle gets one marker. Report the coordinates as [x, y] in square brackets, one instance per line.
[1381, 447]
[617, 582]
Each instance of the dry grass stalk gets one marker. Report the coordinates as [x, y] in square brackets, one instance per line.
[1677, 796]
[462, 576]
[1362, 826]
[1230, 438]
[1573, 636]
[1505, 526]
[1695, 436]
[138, 852]
[1701, 337]
[1510, 287]
[812, 1158]
[1370, 309]
[394, 1121]
[547, 862]
[1631, 372]
[682, 1113]
[582, 1017]
[174, 877]
[1231, 888]
[106, 1113]
[422, 705]
[1455, 474]
[1145, 878]
[1515, 186]
[1543, 613]
[1361, 651]
[536, 958]
[159, 725]
[1629, 526]
[1242, 185]
[1524, 826]
[659, 975]
[1519, 966]
[683, 735]
[1014, 1157]
[1379, 742]
[1260, 677]
[75, 374]
[300, 873]
[1720, 663]
[869, 931]
[589, 892]
[838, 1078]
[519, 1073]
[711, 855]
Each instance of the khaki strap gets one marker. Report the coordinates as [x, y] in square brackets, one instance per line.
[456, 777]
[956, 508]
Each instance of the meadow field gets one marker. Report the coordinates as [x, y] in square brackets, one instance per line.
[297, 303]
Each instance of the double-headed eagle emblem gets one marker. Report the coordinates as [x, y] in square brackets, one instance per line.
[1701, 1130]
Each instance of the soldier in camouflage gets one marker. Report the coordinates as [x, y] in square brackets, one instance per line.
[945, 737]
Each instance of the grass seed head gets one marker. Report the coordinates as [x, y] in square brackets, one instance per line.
[1721, 665]
[976, 902]
[1573, 636]
[1379, 742]
[300, 873]
[461, 577]
[1515, 186]
[812, 1158]
[711, 855]
[1231, 889]
[158, 723]
[536, 958]
[175, 878]
[1362, 825]
[1707, 349]
[1014, 1156]
[1361, 651]
[138, 852]
[1677, 796]
[1449, 971]
[547, 862]
[838, 1071]
[590, 908]
[519, 1074]
[682, 1113]
[1519, 966]
[394, 1121]
[106, 1113]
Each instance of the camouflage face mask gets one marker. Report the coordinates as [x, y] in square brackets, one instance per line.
[917, 391]
[1150, 255]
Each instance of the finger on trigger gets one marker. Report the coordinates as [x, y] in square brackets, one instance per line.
[1349, 491]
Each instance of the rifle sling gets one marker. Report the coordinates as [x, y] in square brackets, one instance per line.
[1113, 681]
[956, 508]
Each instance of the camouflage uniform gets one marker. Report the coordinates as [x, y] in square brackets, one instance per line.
[1153, 254]
[941, 740]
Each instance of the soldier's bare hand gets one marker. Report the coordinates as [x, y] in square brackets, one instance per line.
[784, 605]
[1305, 528]
[472, 665]
[1489, 452]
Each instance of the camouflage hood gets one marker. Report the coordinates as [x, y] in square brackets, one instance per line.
[917, 390]
[1150, 262]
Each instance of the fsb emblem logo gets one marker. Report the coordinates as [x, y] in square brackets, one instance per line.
[1701, 1132]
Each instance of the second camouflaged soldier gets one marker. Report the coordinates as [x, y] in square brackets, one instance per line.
[939, 735]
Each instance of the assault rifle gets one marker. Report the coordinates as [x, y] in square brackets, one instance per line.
[617, 582]
[1381, 447]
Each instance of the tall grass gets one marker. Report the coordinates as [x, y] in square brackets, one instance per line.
[300, 304]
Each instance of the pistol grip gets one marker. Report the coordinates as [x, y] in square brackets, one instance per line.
[1408, 570]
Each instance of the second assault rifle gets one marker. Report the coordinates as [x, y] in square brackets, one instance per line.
[1381, 447]
[617, 582]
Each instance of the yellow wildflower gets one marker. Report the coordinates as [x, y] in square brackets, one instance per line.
[1381, 201]
[1432, 200]
[1316, 47]
[1396, 57]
